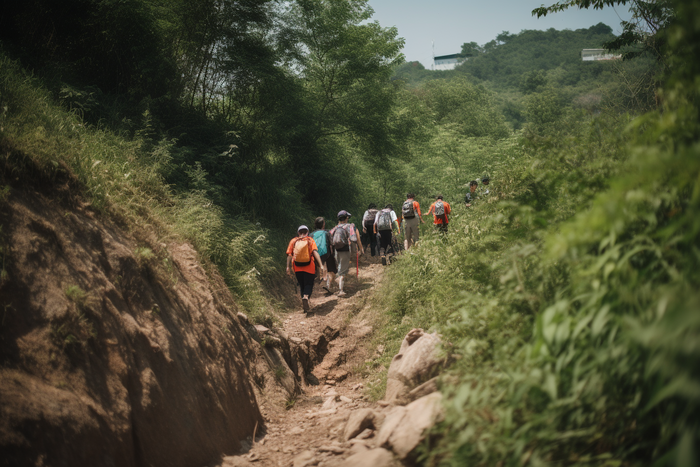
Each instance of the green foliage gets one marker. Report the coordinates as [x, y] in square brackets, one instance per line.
[515, 60]
[577, 321]
[76, 295]
[122, 178]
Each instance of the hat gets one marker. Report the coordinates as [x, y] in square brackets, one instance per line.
[485, 179]
[302, 227]
[344, 213]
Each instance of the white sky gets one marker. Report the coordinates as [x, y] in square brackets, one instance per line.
[451, 23]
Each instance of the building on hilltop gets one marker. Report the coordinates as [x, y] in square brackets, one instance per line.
[593, 55]
[448, 62]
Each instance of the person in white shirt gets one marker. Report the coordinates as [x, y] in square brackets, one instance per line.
[384, 224]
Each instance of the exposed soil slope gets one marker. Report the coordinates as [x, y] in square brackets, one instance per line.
[111, 354]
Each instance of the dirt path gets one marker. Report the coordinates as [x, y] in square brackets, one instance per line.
[310, 432]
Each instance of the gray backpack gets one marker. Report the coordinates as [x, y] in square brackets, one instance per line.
[342, 236]
[439, 208]
[384, 221]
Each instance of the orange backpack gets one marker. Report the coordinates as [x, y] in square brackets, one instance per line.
[301, 252]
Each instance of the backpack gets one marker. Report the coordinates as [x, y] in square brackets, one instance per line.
[368, 220]
[341, 239]
[440, 211]
[439, 208]
[384, 221]
[407, 210]
[319, 237]
[301, 252]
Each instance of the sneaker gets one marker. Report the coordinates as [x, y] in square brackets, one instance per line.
[383, 260]
[341, 293]
[305, 304]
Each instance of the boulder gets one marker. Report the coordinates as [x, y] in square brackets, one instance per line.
[358, 422]
[373, 458]
[418, 360]
[406, 427]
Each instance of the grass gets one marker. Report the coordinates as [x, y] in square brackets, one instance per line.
[122, 176]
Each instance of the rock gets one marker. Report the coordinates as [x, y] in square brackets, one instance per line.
[330, 382]
[406, 427]
[305, 459]
[261, 329]
[417, 361]
[296, 340]
[365, 434]
[243, 318]
[331, 449]
[235, 461]
[322, 413]
[424, 389]
[330, 403]
[297, 430]
[339, 375]
[358, 421]
[373, 458]
[358, 447]
[345, 399]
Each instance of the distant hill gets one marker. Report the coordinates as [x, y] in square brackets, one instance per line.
[514, 60]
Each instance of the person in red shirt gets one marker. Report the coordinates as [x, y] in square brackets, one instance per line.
[440, 210]
[302, 256]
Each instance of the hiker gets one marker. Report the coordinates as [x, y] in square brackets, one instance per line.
[368, 237]
[471, 195]
[343, 236]
[325, 250]
[383, 228]
[485, 182]
[410, 213]
[440, 210]
[302, 253]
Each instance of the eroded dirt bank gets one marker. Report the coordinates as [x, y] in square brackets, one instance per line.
[116, 350]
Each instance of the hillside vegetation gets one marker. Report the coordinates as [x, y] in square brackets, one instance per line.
[569, 293]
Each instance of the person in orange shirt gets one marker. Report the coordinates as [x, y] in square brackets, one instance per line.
[410, 213]
[302, 256]
[440, 209]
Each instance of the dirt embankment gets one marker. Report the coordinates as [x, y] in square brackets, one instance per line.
[116, 350]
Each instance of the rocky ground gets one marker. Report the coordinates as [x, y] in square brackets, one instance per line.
[332, 421]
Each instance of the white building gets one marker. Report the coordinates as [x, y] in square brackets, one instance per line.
[448, 62]
[592, 55]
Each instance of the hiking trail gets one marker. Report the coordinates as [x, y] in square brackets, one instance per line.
[309, 431]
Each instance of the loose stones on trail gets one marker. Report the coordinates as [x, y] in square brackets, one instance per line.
[418, 360]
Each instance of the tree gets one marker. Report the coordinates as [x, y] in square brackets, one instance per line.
[644, 33]
[345, 63]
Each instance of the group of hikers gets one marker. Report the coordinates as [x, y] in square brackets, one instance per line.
[330, 251]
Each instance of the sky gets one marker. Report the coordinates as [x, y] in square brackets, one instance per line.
[451, 23]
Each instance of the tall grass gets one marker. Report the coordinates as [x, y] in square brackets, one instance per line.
[123, 178]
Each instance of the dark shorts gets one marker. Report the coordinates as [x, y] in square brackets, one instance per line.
[329, 260]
